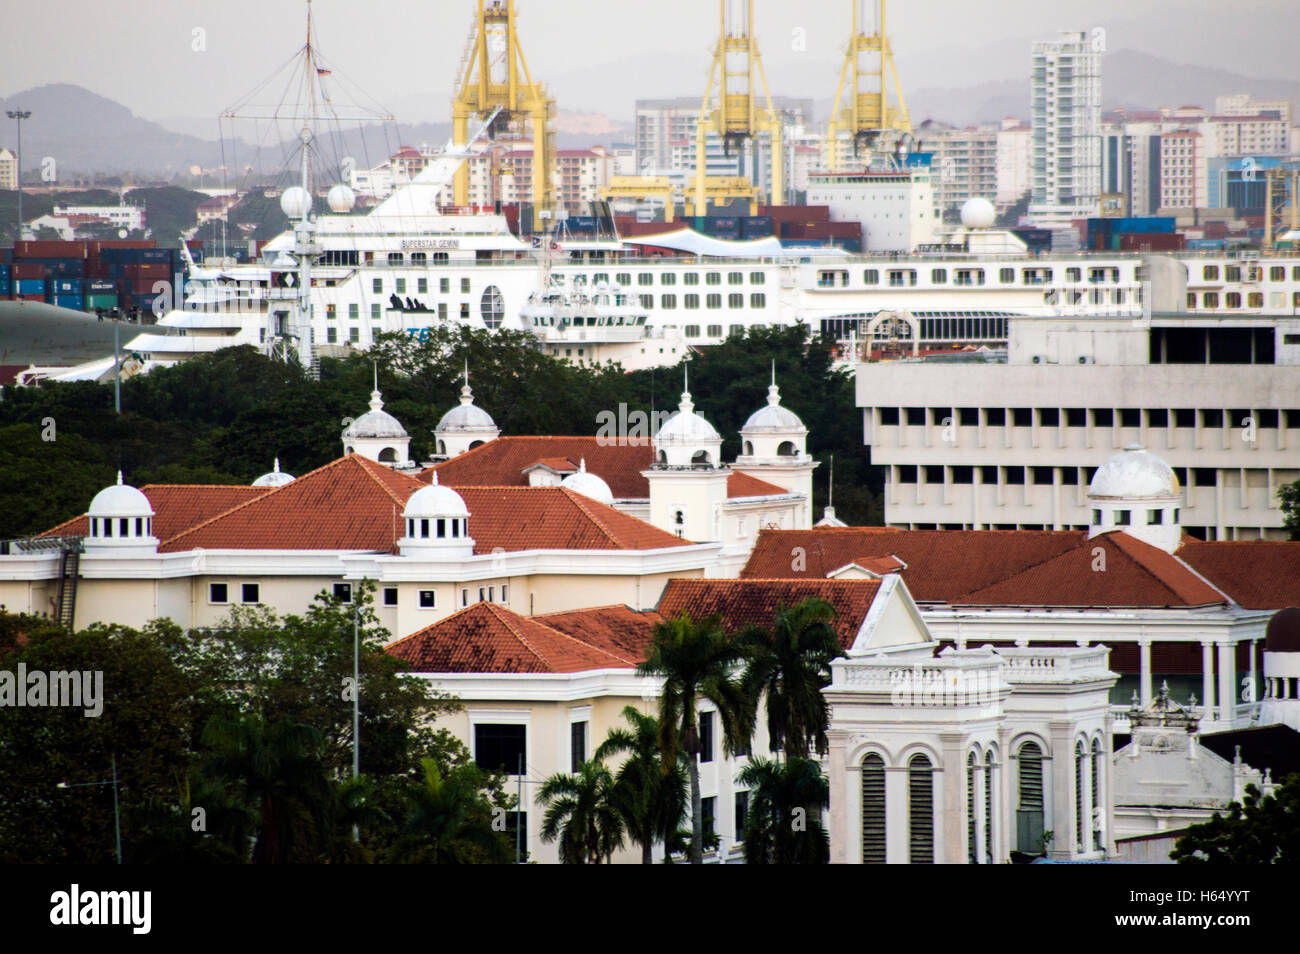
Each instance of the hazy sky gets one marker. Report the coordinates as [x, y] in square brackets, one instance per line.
[593, 55]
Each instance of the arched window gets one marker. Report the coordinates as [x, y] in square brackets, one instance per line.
[474, 444]
[1029, 805]
[972, 843]
[442, 448]
[424, 528]
[920, 811]
[679, 522]
[873, 810]
[492, 307]
[1080, 808]
[347, 450]
[988, 807]
[387, 456]
[1095, 823]
[701, 457]
[749, 448]
[661, 458]
[786, 449]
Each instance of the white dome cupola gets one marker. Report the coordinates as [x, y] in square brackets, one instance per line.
[1137, 492]
[274, 478]
[436, 522]
[376, 434]
[686, 439]
[773, 433]
[588, 484]
[465, 426]
[121, 517]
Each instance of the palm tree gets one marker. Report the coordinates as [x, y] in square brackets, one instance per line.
[650, 797]
[279, 771]
[581, 814]
[696, 660]
[448, 820]
[791, 664]
[784, 824]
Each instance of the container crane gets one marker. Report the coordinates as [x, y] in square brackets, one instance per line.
[494, 76]
[868, 111]
[731, 110]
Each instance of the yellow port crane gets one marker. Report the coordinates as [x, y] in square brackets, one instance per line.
[868, 111]
[731, 110]
[1281, 211]
[494, 75]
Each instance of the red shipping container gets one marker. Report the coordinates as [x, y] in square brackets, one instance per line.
[30, 297]
[127, 243]
[50, 249]
[147, 270]
[145, 286]
[27, 270]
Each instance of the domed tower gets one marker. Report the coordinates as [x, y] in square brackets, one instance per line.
[437, 524]
[377, 434]
[1281, 702]
[121, 519]
[464, 427]
[583, 481]
[773, 447]
[1137, 492]
[274, 478]
[688, 484]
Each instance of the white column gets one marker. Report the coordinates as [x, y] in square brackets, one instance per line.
[1207, 678]
[1227, 681]
[981, 835]
[1144, 672]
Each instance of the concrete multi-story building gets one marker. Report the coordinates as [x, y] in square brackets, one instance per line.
[1012, 445]
[1066, 106]
[1014, 167]
[8, 170]
[1184, 169]
[964, 163]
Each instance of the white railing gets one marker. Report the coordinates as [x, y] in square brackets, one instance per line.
[1040, 666]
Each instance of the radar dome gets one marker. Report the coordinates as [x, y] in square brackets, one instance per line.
[341, 199]
[978, 213]
[295, 202]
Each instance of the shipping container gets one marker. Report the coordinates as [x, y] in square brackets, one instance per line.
[756, 226]
[147, 270]
[30, 286]
[50, 250]
[4, 269]
[71, 302]
[5, 287]
[21, 297]
[27, 270]
[107, 302]
[69, 286]
[1209, 244]
[59, 267]
[100, 285]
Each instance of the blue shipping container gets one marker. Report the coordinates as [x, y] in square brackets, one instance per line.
[101, 286]
[75, 302]
[69, 286]
[31, 286]
[4, 286]
[4, 269]
[1206, 243]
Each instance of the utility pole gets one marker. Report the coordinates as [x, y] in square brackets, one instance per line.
[19, 115]
[117, 370]
[356, 703]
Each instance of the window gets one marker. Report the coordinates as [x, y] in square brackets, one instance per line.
[713, 300]
[706, 736]
[1073, 275]
[1080, 809]
[668, 278]
[668, 301]
[375, 313]
[422, 286]
[218, 593]
[1029, 807]
[1022, 417]
[691, 331]
[354, 310]
[1232, 300]
[577, 745]
[428, 599]
[972, 842]
[1255, 300]
[735, 278]
[1155, 517]
[1006, 275]
[377, 286]
[444, 285]
[742, 813]
[920, 811]
[395, 258]
[492, 306]
[1232, 273]
[343, 592]
[1096, 792]
[735, 300]
[714, 331]
[691, 278]
[713, 278]
[390, 596]
[758, 300]
[354, 335]
[645, 278]
[401, 286]
[873, 810]
[250, 593]
[1123, 518]
[499, 747]
[939, 276]
[464, 286]
[889, 416]
[709, 813]
[331, 335]
[757, 278]
[647, 301]
[871, 276]
[1210, 299]
[691, 301]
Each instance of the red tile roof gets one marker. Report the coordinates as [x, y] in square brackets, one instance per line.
[747, 602]
[487, 638]
[941, 564]
[1258, 574]
[1128, 572]
[502, 462]
[619, 630]
[176, 507]
[553, 518]
[349, 504]
[745, 485]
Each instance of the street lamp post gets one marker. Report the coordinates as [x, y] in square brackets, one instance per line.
[117, 812]
[19, 115]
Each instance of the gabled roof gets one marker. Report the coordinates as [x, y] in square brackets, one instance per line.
[618, 629]
[554, 518]
[741, 603]
[941, 564]
[505, 462]
[351, 503]
[1257, 574]
[176, 507]
[1127, 572]
[487, 638]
